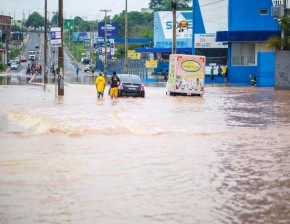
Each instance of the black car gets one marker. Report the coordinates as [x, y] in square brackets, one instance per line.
[131, 85]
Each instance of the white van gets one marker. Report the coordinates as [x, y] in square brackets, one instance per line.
[31, 55]
[186, 75]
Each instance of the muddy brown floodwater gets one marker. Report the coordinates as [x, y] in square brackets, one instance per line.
[220, 158]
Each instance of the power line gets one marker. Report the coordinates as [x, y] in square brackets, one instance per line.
[212, 3]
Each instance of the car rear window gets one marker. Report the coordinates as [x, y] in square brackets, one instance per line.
[130, 79]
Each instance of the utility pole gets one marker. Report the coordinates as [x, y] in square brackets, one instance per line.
[92, 42]
[283, 28]
[45, 44]
[105, 40]
[126, 39]
[174, 27]
[23, 19]
[194, 8]
[78, 42]
[60, 51]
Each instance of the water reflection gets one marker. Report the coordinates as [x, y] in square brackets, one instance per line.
[220, 158]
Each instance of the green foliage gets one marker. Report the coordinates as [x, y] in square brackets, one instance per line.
[76, 49]
[166, 5]
[277, 42]
[14, 53]
[140, 25]
[3, 67]
[15, 28]
[54, 19]
[35, 20]
[82, 25]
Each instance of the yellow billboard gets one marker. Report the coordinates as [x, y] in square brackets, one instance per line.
[133, 55]
[151, 64]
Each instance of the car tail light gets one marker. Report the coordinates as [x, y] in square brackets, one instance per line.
[201, 89]
[120, 86]
[142, 87]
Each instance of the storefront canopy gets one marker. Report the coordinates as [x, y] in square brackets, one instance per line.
[245, 36]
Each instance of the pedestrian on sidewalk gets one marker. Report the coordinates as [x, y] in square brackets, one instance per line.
[225, 72]
[77, 70]
[100, 85]
[219, 71]
[212, 74]
[114, 82]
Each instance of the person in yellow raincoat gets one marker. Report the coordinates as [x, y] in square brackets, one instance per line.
[100, 85]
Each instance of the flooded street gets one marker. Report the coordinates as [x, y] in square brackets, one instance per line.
[220, 158]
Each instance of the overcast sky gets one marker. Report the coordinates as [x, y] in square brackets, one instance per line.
[88, 9]
[214, 11]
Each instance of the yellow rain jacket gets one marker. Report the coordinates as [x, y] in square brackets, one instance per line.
[100, 83]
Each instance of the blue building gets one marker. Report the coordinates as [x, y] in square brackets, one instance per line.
[250, 25]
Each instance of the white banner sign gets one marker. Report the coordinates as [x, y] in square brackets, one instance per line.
[55, 37]
[207, 41]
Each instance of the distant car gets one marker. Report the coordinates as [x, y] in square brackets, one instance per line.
[9, 62]
[23, 59]
[85, 61]
[17, 59]
[36, 46]
[31, 55]
[14, 65]
[131, 85]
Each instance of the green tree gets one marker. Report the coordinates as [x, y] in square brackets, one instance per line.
[166, 5]
[140, 25]
[35, 20]
[84, 26]
[15, 28]
[54, 19]
[278, 42]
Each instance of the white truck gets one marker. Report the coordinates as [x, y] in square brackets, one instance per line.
[31, 55]
[186, 75]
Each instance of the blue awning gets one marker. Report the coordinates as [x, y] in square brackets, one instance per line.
[163, 50]
[242, 36]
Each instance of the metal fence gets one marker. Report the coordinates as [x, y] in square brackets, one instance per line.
[136, 67]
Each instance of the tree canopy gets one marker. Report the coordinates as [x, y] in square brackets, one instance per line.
[35, 20]
[54, 19]
[140, 25]
[15, 28]
[278, 42]
[166, 5]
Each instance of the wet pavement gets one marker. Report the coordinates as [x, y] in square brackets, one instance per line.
[220, 158]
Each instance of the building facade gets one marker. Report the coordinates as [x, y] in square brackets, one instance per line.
[5, 29]
[250, 25]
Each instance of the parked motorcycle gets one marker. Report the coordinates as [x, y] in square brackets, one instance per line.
[253, 80]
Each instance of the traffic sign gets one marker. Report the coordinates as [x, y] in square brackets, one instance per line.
[68, 24]
[55, 37]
